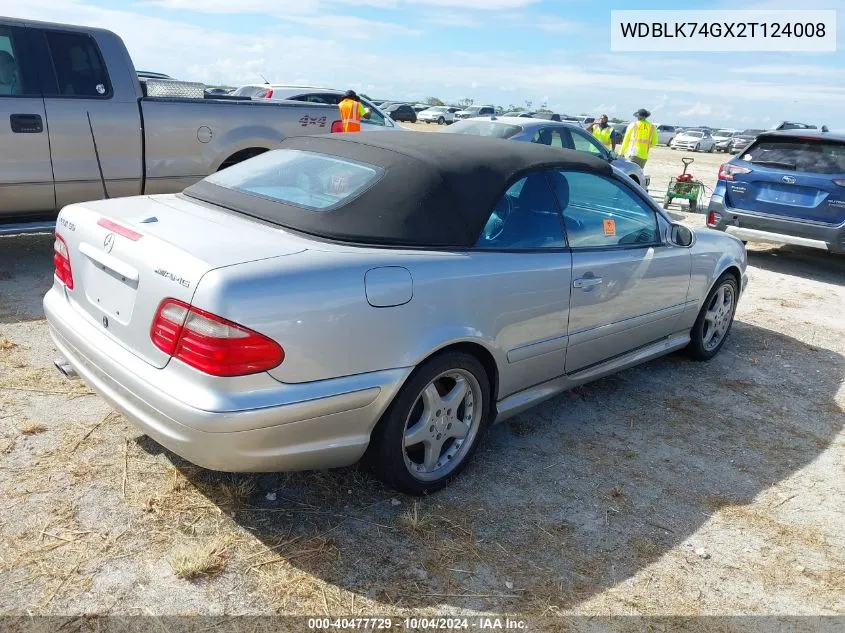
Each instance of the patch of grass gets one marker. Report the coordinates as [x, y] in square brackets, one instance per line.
[643, 547]
[195, 559]
[7, 343]
[413, 520]
[772, 529]
[32, 428]
[235, 495]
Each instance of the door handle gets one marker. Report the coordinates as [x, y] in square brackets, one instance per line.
[586, 282]
[26, 123]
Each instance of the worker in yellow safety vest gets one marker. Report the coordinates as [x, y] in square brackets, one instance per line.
[352, 111]
[604, 132]
[640, 137]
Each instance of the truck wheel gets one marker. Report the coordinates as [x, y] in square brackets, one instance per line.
[433, 426]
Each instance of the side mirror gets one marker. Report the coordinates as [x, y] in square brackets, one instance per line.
[681, 235]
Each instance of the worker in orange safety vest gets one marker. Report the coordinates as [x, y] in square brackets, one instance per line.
[352, 111]
[640, 137]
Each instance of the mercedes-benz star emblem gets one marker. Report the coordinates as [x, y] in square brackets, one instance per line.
[108, 242]
[789, 180]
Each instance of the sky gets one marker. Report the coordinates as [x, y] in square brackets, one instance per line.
[502, 52]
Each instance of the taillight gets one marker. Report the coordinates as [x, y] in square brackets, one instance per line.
[337, 126]
[61, 260]
[713, 218]
[210, 343]
[268, 94]
[728, 171]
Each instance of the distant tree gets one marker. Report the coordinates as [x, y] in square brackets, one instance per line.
[433, 101]
[544, 109]
[615, 120]
[515, 108]
[466, 102]
[528, 103]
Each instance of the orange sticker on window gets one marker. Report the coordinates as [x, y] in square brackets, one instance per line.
[610, 228]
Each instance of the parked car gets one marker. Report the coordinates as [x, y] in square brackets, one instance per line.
[793, 125]
[743, 139]
[725, 139]
[548, 116]
[401, 112]
[82, 126]
[378, 121]
[694, 140]
[474, 111]
[788, 187]
[520, 113]
[437, 114]
[553, 133]
[331, 331]
[419, 107]
[665, 134]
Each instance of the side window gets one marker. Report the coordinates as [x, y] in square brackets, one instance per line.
[526, 217]
[549, 136]
[583, 143]
[599, 212]
[15, 78]
[79, 67]
[375, 117]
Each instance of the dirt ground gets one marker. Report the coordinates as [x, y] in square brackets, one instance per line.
[675, 488]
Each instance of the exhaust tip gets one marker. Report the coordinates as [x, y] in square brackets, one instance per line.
[65, 368]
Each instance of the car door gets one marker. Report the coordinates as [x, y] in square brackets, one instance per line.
[26, 173]
[92, 128]
[521, 292]
[583, 142]
[551, 136]
[629, 286]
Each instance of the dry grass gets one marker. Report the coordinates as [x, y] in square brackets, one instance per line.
[773, 530]
[7, 344]
[199, 558]
[31, 428]
[413, 521]
[643, 547]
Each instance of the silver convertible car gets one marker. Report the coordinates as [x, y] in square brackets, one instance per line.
[384, 297]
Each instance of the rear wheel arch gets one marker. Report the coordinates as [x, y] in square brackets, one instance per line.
[481, 353]
[241, 156]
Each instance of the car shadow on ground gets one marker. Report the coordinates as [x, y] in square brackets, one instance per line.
[26, 274]
[566, 500]
[808, 263]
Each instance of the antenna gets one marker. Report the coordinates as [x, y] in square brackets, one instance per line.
[264, 78]
[97, 156]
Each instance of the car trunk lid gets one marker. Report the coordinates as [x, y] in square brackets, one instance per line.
[128, 255]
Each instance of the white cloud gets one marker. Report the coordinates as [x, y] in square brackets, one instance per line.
[605, 109]
[700, 109]
[452, 19]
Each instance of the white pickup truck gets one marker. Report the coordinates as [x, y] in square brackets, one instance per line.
[76, 124]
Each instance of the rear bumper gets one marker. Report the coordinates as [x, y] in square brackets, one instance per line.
[756, 227]
[297, 427]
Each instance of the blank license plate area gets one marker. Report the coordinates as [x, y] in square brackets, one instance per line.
[792, 196]
[108, 291]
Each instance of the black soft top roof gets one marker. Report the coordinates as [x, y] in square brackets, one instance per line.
[437, 190]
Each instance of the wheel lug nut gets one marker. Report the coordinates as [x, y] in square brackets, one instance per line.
[438, 436]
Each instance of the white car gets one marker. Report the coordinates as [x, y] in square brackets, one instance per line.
[475, 111]
[437, 114]
[665, 134]
[694, 140]
[723, 135]
[378, 121]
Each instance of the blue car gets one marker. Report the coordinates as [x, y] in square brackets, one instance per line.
[786, 187]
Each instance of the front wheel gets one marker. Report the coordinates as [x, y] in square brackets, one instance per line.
[710, 151]
[714, 322]
[697, 147]
[441, 121]
[432, 428]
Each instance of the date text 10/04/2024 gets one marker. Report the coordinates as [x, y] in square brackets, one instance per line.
[418, 624]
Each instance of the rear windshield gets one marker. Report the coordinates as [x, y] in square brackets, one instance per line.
[804, 155]
[304, 179]
[484, 128]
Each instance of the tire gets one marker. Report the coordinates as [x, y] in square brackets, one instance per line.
[702, 346]
[693, 206]
[697, 147]
[441, 121]
[404, 467]
[666, 202]
[710, 151]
